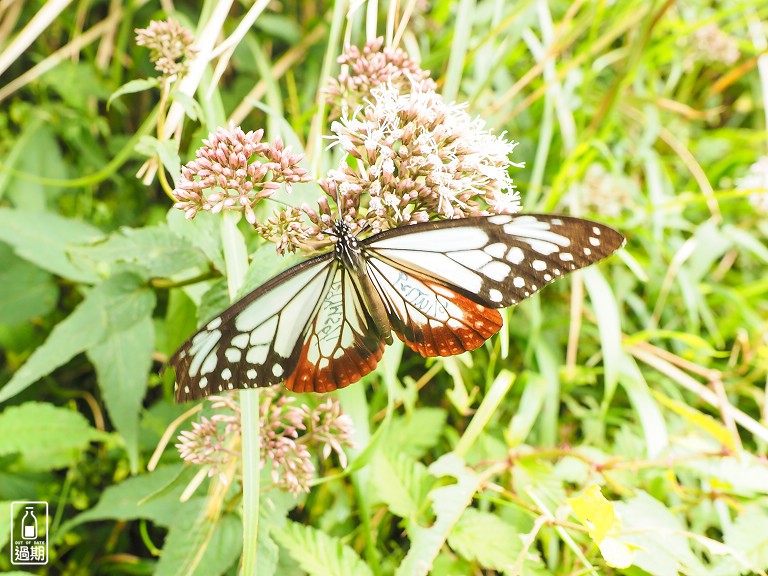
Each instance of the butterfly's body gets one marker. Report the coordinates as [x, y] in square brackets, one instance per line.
[324, 323]
[350, 253]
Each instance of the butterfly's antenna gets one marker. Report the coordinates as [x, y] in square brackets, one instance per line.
[270, 199]
[363, 228]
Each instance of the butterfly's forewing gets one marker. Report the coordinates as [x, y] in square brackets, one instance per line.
[341, 344]
[431, 318]
[496, 260]
[256, 341]
[441, 281]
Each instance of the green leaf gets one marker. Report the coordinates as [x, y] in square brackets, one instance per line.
[156, 249]
[318, 553]
[122, 364]
[273, 513]
[114, 305]
[199, 547]
[749, 535]
[417, 432]
[38, 140]
[26, 291]
[657, 536]
[609, 326]
[448, 504]
[527, 413]
[485, 538]
[203, 232]
[401, 482]
[43, 238]
[133, 86]
[154, 496]
[742, 475]
[45, 436]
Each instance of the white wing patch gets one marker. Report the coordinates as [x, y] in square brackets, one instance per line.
[255, 342]
[497, 260]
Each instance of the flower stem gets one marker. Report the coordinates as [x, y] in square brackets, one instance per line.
[236, 257]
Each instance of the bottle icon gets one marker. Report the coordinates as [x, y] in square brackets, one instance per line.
[29, 524]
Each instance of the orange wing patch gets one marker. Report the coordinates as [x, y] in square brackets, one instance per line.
[468, 325]
[341, 344]
[336, 372]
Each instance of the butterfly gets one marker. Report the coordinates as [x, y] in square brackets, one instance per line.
[324, 323]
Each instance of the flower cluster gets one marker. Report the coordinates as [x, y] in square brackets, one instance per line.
[287, 434]
[714, 45]
[234, 170]
[756, 181]
[206, 443]
[363, 70]
[415, 157]
[170, 46]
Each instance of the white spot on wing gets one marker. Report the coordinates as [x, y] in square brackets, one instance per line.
[539, 265]
[596, 230]
[518, 282]
[277, 370]
[594, 241]
[495, 295]
[233, 355]
[251, 374]
[500, 219]
[496, 270]
[257, 354]
[496, 250]
[566, 256]
[226, 374]
[241, 340]
[515, 255]
[203, 382]
[213, 324]
[472, 259]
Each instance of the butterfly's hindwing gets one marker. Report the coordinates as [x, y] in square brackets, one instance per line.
[431, 318]
[255, 342]
[341, 344]
[497, 260]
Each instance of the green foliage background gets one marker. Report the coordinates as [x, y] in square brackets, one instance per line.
[645, 376]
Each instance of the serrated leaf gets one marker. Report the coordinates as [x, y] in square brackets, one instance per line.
[657, 536]
[153, 496]
[418, 431]
[485, 538]
[26, 291]
[43, 238]
[742, 476]
[448, 504]
[156, 249]
[749, 535]
[198, 547]
[122, 365]
[46, 436]
[699, 420]
[595, 512]
[401, 482]
[133, 86]
[318, 553]
[114, 305]
[203, 232]
[273, 512]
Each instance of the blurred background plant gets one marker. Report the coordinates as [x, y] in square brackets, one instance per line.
[616, 425]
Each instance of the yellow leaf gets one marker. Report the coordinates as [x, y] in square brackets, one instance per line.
[711, 426]
[595, 512]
